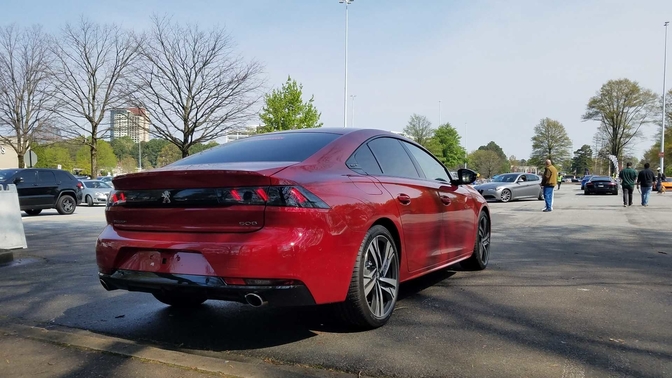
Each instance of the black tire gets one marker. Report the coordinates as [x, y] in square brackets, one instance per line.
[506, 195]
[481, 255]
[89, 201]
[585, 193]
[376, 270]
[66, 205]
[541, 195]
[33, 211]
[179, 299]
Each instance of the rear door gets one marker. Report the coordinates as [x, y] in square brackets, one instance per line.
[534, 182]
[418, 202]
[46, 188]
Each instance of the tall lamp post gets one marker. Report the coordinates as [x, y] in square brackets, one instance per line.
[345, 96]
[353, 110]
[662, 132]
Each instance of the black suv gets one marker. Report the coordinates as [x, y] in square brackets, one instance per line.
[44, 188]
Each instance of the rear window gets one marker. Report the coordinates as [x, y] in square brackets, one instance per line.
[64, 176]
[600, 179]
[295, 147]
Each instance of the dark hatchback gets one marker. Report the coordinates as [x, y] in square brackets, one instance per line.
[44, 188]
[601, 185]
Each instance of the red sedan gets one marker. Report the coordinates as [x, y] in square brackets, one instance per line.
[292, 218]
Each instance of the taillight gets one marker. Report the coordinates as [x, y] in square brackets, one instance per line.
[80, 185]
[278, 196]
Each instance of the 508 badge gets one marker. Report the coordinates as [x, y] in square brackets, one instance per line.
[247, 223]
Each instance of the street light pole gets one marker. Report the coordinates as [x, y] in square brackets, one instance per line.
[662, 132]
[345, 95]
[439, 112]
[353, 109]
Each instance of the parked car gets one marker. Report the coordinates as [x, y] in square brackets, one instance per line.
[107, 180]
[584, 180]
[667, 183]
[95, 192]
[302, 217]
[44, 188]
[510, 186]
[601, 185]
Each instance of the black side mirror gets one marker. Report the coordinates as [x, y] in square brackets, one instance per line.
[465, 177]
[18, 180]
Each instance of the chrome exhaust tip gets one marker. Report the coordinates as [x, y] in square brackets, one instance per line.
[254, 300]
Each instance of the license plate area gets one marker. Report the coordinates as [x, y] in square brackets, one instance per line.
[167, 261]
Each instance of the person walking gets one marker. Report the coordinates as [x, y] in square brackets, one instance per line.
[560, 178]
[628, 178]
[660, 177]
[548, 182]
[645, 179]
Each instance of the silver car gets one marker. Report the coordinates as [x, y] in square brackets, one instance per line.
[95, 192]
[510, 186]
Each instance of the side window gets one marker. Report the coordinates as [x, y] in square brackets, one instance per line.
[63, 176]
[393, 159]
[46, 177]
[29, 177]
[363, 159]
[532, 178]
[433, 169]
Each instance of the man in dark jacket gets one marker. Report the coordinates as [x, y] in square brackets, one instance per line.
[645, 179]
[628, 177]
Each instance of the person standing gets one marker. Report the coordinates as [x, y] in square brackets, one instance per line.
[645, 179]
[560, 178]
[548, 182]
[628, 178]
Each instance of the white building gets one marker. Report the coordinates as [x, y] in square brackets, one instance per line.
[132, 122]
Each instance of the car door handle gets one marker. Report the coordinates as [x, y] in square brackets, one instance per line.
[446, 200]
[405, 199]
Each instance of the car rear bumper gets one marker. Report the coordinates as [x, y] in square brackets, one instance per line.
[207, 286]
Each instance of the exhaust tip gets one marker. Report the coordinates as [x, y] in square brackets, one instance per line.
[254, 300]
[106, 286]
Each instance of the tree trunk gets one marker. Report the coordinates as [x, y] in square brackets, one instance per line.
[21, 160]
[94, 159]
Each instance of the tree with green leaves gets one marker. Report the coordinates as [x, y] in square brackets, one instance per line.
[419, 129]
[169, 154]
[621, 107]
[128, 164]
[447, 139]
[550, 141]
[486, 162]
[494, 147]
[582, 160]
[51, 156]
[124, 147]
[151, 151]
[284, 109]
[202, 147]
[105, 155]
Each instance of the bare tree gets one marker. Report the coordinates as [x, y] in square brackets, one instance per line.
[92, 63]
[25, 88]
[193, 86]
[419, 129]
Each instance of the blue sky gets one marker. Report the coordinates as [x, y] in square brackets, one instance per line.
[496, 67]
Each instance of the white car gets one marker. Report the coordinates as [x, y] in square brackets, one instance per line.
[95, 192]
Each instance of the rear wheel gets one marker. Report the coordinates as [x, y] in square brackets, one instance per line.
[179, 299]
[374, 286]
[505, 196]
[540, 197]
[481, 255]
[33, 211]
[89, 201]
[66, 204]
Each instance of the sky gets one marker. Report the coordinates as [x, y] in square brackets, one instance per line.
[493, 69]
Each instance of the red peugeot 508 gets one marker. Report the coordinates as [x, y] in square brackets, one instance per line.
[292, 218]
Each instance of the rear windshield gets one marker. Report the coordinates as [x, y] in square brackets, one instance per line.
[594, 179]
[295, 147]
[7, 173]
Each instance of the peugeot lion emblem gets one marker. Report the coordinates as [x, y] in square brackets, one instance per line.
[166, 196]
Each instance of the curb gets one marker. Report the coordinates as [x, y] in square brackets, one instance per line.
[6, 257]
[69, 337]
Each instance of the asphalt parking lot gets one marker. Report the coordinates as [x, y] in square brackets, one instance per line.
[583, 291]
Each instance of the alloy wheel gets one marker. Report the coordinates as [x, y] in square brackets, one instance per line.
[381, 276]
[506, 195]
[484, 239]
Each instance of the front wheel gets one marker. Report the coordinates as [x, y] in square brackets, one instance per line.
[374, 286]
[505, 196]
[179, 299]
[89, 201]
[481, 255]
